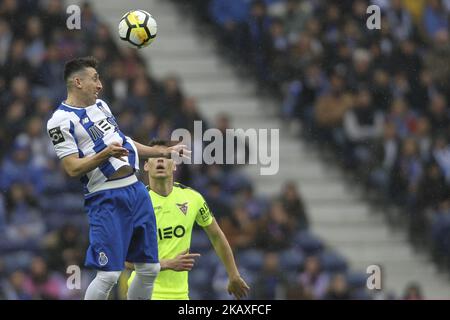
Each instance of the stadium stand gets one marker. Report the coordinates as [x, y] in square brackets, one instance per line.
[374, 101]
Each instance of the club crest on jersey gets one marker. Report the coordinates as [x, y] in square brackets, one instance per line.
[102, 259]
[183, 207]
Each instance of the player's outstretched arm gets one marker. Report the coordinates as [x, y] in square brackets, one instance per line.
[76, 166]
[236, 285]
[179, 150]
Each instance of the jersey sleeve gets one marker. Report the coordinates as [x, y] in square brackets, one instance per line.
[204, 216]
[60, 131]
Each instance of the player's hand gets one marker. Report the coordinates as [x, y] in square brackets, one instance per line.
[184, 261]
[238, 287]
[116, 150]
[180, 152]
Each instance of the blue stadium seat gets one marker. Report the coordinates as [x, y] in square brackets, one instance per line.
[200, 242]
[20, 260]
[208, 260]
[251, 259]
[361, 294]
[333, 262]
[357, 280]
[308, 243]
[194, 293]
[199, 279]
[291, 260]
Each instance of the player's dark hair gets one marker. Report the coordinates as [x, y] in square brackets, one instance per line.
[158, 142]
[78, 64]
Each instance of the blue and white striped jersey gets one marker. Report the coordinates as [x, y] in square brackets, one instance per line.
[88, 131]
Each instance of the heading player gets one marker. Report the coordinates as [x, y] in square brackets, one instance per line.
[91, 146]
[177, 207]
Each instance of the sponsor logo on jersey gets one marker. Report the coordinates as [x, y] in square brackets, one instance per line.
[204, 212]
[170, 232]
[56, 135]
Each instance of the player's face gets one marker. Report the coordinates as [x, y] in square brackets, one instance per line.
[91, 84]
[160, 168]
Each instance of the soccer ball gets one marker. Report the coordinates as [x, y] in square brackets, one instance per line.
[137, 28]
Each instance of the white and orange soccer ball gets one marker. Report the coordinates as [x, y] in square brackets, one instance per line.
[137, 28]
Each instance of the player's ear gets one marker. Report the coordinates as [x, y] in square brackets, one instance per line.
[146, 166]
[77, 82]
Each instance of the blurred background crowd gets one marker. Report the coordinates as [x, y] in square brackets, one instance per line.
[376, 102]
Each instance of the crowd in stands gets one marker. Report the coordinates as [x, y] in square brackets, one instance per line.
[378, 99]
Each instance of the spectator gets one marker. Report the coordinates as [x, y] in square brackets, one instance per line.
[24, 221]
[439, 115]
[400, 21]
[413, 292]
[296, 16]
[314, 281]
[338, 288]
[331, 107]
[435, 18]
[362, 124]
[65, 247]
[437, 59]
[381, 92]
[41, 284]
[402, 117]
[441, 154]
[294, 206]
[406, 173]
[14, 288]
[240, 228]
[384, 156]
[271, 282]
[277, 228]
[423, 137]
[18, 168]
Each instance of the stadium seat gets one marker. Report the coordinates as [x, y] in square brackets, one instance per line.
[200, 242]
[356, 280]
[208, 261]
[199, 279]
[333, 262]
[361, 294]
[308, 242]
[251, 259]
[291, 260]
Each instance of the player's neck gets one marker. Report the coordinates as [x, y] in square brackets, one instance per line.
[161, 186]
[74, 101]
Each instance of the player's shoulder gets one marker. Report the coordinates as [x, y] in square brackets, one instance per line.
[187, 189]
[59, 117]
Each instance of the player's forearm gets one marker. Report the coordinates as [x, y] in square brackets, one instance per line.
[146, 152]
[166, 264]
[80, 166]
[223, 250]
